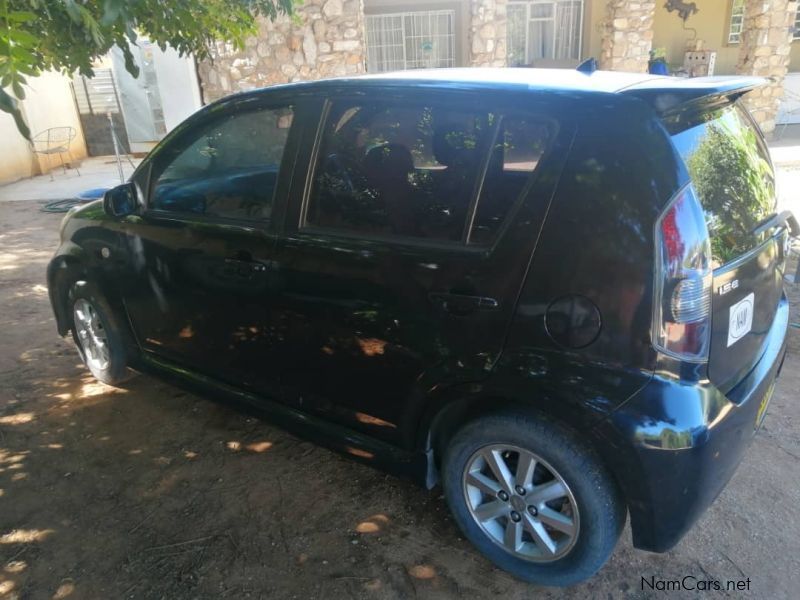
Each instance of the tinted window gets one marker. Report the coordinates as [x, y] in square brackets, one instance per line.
[229, 169]
[732, 174]
[518, 147]
[401, 170]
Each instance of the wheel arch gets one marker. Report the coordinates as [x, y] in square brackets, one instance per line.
[72, 264]
[461, 404]
[63, 271]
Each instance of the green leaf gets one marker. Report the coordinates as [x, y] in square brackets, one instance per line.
[11, 106]
[22, 54]
[27, 69]
[23, 37]
[20, 16]
[19, 91]
[73, 10]
[130, 61]
[112, 9]
[131, 33]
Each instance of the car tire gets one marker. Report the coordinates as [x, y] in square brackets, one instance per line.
[98, 334]
[562, 463]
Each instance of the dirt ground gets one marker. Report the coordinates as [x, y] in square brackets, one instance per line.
[152, 492]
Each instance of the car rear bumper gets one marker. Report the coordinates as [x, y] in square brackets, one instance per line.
[676, 445]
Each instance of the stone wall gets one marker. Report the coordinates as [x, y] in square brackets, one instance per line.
[487, 33]
[627, 35]
[764, 51]
[324, 39]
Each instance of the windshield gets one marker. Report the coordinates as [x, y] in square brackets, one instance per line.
[732, 174]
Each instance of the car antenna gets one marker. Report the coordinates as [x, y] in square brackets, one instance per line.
[588, 66]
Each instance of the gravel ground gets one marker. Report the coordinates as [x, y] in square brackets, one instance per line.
[152, 492]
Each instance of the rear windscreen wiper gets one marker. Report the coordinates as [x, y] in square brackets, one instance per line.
[783, 219]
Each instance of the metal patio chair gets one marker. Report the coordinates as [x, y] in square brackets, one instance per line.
[55, 140]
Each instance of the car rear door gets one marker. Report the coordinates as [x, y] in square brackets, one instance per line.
[401, 261]
[200, 254]
[733, 177]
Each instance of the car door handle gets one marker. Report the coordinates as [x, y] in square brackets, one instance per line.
[245, 267]
[461, 304]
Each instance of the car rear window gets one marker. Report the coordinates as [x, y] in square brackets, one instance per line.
[732, 174]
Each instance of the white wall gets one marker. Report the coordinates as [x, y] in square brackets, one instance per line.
[177, 85]
[16, 160]
[48, 103]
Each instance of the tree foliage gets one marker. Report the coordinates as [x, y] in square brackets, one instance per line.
[68, 35]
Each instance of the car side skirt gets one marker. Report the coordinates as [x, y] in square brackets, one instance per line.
[417, 466]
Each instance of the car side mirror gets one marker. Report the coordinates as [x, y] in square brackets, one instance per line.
[120, 201]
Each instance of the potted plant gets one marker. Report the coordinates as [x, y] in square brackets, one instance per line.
[658, 62]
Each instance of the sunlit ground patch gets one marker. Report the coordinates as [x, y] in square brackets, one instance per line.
[25, 536]
[64, 590]
[17, 419]
[15, 566]
[372, 524]
[90, 388]
[422, 572]
[259, 447]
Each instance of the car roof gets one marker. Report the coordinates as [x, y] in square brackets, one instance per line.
[663, 93]
[568, 80]
[512, 77]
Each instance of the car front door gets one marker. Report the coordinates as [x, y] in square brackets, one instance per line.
[201, 251]
[401, 261]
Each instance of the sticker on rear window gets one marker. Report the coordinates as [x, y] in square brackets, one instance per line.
[741, 319]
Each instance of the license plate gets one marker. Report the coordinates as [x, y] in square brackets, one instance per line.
[762, 407]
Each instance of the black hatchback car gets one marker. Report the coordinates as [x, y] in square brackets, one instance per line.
[558, 294]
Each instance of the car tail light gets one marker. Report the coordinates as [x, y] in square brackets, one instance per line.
[682, 314]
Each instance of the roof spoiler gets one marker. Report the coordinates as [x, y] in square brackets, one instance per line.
[668, 95]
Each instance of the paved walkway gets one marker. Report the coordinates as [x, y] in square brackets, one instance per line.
[95, 172]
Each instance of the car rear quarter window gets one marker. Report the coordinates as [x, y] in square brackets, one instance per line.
[227, 169]
[516, 153]
[732, 174]
[414, 170]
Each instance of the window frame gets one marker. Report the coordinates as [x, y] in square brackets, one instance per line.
[186, 133]
[304, 228]
[729, 24]
[529, 19]
[533, 176]
[728, 33]
[796, 25]
[450, 10]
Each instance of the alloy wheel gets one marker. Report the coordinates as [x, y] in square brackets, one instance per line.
[91, 334]
[521, 503]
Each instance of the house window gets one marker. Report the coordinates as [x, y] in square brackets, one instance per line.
[544, 29]
[796, 33]
[737, 21]
[410, 40]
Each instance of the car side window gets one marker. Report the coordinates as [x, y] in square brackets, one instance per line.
[403, 169]
[519, 145]
[229, 169]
